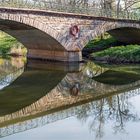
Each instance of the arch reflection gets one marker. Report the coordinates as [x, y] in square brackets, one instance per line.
[44, 96]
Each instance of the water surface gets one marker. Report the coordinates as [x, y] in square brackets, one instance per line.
[52, 101]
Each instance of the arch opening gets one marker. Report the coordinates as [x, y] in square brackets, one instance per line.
[39, 44]
[30, 37]
[118, 38]
[10, 46]
[126, 35]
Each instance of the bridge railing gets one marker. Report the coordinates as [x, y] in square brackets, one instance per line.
[51, 5]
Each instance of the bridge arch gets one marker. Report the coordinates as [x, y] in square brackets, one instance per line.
[124, 32]
[40, 38]
[27, 22]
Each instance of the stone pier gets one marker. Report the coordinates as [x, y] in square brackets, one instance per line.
[55, 55]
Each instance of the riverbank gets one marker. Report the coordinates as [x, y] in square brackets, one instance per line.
[99, 44]
[10, 46]
[108, 50]
[119, 54]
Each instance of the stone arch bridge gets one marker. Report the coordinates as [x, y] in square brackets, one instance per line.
[62, 36]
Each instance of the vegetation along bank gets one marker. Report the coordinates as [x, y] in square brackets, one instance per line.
[106, 49]
[10, 46]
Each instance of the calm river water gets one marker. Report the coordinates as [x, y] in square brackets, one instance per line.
[53, 101]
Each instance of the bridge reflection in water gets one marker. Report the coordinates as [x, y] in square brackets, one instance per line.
[42, 95]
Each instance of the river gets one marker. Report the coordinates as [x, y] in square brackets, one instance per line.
[55, 101]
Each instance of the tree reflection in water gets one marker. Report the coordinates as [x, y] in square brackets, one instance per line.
[117, 109]
[92, 94]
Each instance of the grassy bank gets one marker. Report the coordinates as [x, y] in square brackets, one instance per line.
[108, 50]
[99, 44]
[120, 54]
[9, 45]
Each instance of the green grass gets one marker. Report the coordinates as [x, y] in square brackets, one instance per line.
[8, 44]
[129, 53]
[101, 43]
[107, 50]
